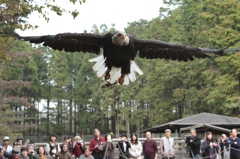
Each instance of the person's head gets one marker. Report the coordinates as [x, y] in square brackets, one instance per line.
[15, 152]
[87, 152]
[108, 137]
[209, 136]
[124, 136]
[168, 133]
[64, 147]
[193, 132]
[148, 135]
[17, 145]
[77, 138]
[134, 138]
[6, 140]
[52, 137]
[96, 132]
[24, 152]
[67, 139]
[234, 133]
[41, 151]
[224, 136]
[19, 139]
[30, 148]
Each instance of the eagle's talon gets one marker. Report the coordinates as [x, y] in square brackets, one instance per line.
[121, 80]
[107, 75]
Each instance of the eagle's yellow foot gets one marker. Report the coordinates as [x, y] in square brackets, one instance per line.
[121, 80]
[107, 75]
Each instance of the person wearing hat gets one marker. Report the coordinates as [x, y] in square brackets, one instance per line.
[52, 144]
[167, 147]
[6, 144]
[15, 153]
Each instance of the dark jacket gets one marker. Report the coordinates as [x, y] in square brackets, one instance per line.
[195, 145]
[123, 153]
[235, 147]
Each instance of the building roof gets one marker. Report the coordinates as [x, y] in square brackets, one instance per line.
[199, 119]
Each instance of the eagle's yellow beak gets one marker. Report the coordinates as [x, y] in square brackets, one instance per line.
[123, 36]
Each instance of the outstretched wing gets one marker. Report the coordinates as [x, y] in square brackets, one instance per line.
[152, 49]
[69, 42]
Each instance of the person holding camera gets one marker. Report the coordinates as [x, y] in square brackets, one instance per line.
[78, 146]
[209, 147]
[193, 144]
[53, 154]
[223, 147]
[108, 147]
[31, 152]
[96, 145]
[123, 145]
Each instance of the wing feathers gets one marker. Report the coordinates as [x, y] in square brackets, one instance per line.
[69, 42]
[152, 49]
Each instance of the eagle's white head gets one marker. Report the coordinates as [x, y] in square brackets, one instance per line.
[120, 38]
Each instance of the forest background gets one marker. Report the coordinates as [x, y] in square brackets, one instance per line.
[72, 93]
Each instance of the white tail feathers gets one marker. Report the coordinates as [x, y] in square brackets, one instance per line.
[115, 72]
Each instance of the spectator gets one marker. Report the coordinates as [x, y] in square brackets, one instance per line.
[1, 153]
[68, 140]
[123, 145]
[96, 145]
[17, 145]
[108, 147]
[234, 142]
[209, 147]
[41, 153]
[24, 153]
[31, 153]
[78, 146]
[20, 140]
[223, 147]
[53, 154]
[4, 153]
[167, 147]
[6, 144]
[193, 144]
[87, 154]
[136, 147]
[52, 144]
[64, 154]
[15, 154]
[150, 149]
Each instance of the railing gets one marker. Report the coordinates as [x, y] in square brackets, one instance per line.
[179, 145]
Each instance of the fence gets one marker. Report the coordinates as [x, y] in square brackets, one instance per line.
[179, 145]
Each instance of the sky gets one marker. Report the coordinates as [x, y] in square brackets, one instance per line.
[98, 12]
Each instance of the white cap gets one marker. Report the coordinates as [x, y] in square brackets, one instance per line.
[167, 130]
[5, 138]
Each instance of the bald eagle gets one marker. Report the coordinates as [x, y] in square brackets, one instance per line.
[117, 64]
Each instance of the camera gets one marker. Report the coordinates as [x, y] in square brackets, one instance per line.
[188, 138]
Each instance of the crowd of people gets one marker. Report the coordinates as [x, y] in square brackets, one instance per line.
[103, 148]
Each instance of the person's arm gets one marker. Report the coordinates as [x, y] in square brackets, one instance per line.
[139, 148]
[92, 146]
[174, 148]
[236, 143]
[156, 149]
[161, 147]
[47, 148]
[131, 152]
[196, 142]
[143, 148]
[59, 149]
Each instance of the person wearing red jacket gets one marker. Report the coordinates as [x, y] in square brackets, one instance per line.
[96, 145]
[78, 146]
